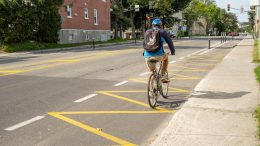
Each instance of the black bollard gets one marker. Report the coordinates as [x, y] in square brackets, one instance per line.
[93, 43]
[209, 41]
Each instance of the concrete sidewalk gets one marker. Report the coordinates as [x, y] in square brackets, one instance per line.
[220, 112]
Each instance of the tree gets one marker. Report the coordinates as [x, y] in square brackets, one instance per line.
[117, 17]
[18, 20]
[36, 20]
[166, 8]
[230, 22]
[193, 12]
[160, 8]
[214, 16]
[49, 20]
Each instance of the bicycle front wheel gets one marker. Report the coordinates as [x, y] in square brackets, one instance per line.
[165, 88]
[152, 91]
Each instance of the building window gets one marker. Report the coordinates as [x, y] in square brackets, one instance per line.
[71, 37]
[69, 11]
[86, 13]
[95, 17]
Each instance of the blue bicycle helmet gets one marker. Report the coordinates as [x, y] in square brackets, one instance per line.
[157, 21]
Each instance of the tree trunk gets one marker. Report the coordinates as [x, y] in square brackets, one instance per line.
[116, 30]
[132, 16]
[121, 30]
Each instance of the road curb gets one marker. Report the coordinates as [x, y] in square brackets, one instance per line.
[84, 47]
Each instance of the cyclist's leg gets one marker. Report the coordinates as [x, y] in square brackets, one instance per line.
[165, 78]
[151, 66]
[165, 64]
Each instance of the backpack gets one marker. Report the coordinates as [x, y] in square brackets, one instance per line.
[152, 41]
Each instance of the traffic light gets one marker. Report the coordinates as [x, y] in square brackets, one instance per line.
[228, 7]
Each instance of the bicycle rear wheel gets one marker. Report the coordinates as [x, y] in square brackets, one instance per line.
[152, 91]
[165, 88]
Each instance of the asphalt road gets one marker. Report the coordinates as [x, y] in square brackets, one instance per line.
[95, 97]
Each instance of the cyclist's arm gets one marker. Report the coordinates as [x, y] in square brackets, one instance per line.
[168, 41]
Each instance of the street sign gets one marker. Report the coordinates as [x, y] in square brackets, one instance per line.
[137, 8]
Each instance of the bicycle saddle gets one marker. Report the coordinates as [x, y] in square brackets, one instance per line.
[153, 61]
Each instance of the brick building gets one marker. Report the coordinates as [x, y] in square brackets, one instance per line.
[85, 20]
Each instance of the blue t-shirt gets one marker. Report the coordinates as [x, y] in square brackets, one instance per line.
[164, 38]
[157, 53]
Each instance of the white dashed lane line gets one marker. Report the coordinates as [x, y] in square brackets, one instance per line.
[121, 83]
[85, 98]
[14, 127]
[198, 51]
[208, 50]
[145, 73]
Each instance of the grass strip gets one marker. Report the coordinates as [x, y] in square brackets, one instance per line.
[31, 45]
[257, 73]
[258, 119]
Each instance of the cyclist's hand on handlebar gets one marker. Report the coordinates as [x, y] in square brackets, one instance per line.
[172, 53]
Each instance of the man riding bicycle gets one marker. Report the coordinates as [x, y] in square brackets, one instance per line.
[153, 48]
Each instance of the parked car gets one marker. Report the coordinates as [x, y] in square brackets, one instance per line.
[233, 34]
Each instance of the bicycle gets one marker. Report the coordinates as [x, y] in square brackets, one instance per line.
[155, 85]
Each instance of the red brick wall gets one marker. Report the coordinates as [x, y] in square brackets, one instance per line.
[79, 22]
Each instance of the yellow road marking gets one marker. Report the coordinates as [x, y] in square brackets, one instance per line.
[40, 63]
[113, 112]
[70, 58]
[179, 90]
[133, 91]
[91, 129]
[11, 71]
[129, 100]
[207, 64]
[183, 77]
[187, 70]
[202, 59]
[171, 88]
[65, 60]
[178, 66]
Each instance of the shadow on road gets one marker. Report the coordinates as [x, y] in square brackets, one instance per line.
[175, 101]
[220, 95]
[8, 59]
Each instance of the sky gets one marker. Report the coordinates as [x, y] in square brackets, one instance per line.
[236, 4]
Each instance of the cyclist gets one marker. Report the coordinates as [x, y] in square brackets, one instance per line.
[159, 54]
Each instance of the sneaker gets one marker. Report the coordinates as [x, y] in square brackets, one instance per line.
[165, 79]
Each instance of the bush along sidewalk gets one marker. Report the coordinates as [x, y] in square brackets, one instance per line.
[258, 119]
[257, 73]
[32, 45]
[256, 52]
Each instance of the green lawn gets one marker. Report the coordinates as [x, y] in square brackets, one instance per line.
[257, 72]
[31, 45]
[258, 119]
